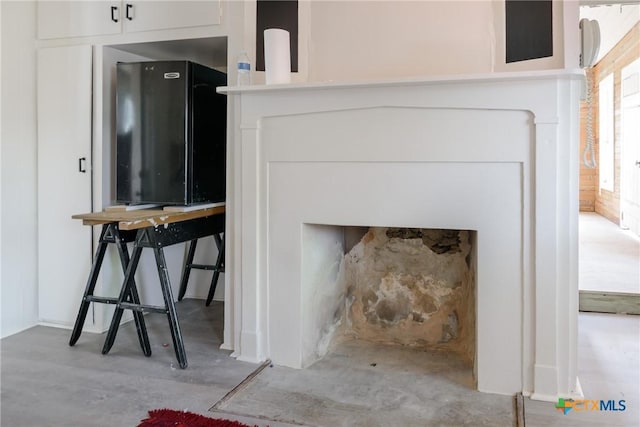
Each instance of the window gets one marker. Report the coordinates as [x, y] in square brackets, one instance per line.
[606, 131]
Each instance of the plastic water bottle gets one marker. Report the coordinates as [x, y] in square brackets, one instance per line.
[244, 70]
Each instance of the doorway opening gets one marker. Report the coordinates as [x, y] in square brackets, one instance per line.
[610, 184]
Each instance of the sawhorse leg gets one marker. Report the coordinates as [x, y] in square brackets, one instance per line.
[128, 283]
[187, 269]
[218, 267]
[146, 238]
[172, 315]
[138, 316]
[109, 234]
[91, 284]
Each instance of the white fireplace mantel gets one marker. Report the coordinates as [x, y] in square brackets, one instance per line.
[495, 153]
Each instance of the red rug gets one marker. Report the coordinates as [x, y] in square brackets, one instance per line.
[171, 418]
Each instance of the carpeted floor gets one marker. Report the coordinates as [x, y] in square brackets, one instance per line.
[172, 418]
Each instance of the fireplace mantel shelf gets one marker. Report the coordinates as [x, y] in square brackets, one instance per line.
[425, 80]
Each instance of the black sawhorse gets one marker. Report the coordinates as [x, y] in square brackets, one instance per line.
[217, 268]
[156, 238]
[111, 234]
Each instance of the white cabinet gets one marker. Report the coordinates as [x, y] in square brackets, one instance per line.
[64, 101]
[64, 19]
[160, 15]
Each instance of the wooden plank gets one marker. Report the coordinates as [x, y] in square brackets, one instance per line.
[119, 216]
[192, 207]
[133, 220]
[609, 302]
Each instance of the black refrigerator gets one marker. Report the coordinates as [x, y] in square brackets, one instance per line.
[170, 133]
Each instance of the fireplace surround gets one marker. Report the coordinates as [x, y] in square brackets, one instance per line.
[497, 154]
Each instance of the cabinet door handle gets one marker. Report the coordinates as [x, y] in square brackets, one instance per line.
[114, 10]
[128, 14]
[81, 165]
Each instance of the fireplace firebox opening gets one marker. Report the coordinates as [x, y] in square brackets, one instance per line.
[412, 287]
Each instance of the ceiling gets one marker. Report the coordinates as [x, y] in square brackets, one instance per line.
[606, 2]
[615, 21]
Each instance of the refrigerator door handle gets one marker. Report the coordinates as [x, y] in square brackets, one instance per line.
[81, 165]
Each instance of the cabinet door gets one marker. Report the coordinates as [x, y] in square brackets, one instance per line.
[60, 19]
[160, 15]
[64, 179]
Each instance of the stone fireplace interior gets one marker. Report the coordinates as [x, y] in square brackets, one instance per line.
[391, 286]
[491, 156]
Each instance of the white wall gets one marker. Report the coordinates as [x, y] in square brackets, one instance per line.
[18, 240]
[354, 40]
[347, 40]
[1, 299]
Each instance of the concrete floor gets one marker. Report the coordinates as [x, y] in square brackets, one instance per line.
[361, 384]
[609, 256]
[608, 369]
[44, 382]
